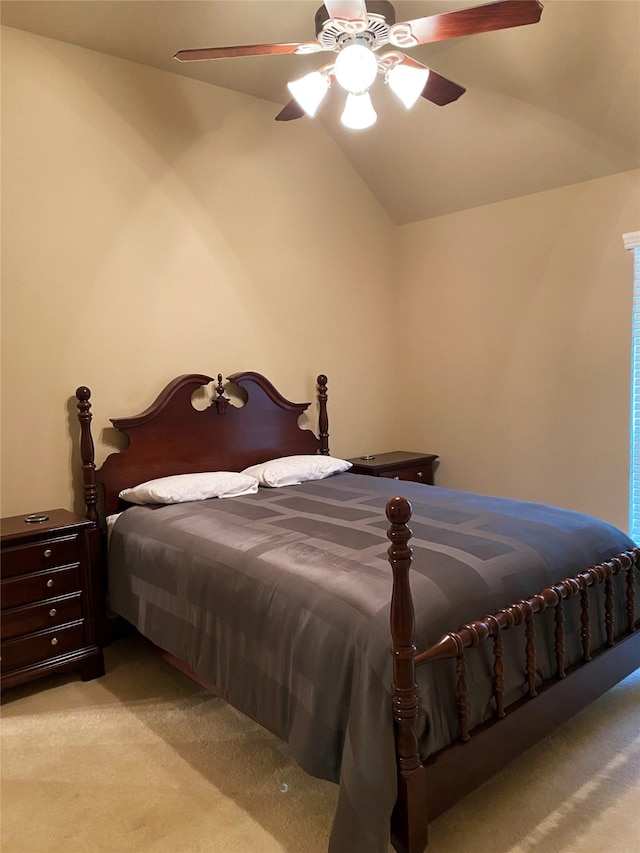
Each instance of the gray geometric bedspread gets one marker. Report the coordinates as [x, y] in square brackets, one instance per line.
[281, 599]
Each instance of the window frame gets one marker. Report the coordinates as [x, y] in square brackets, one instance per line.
[632, 244]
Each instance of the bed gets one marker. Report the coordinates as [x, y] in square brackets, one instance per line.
[406, 647]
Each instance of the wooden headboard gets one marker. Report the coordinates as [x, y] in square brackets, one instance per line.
[174, 437]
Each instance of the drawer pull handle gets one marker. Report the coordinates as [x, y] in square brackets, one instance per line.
[53, 612]
[419, 474]
[54, 641]
[50, 582]
[48, 552]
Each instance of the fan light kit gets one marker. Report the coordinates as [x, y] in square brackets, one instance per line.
[356, 31]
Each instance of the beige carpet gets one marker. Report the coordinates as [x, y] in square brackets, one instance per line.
[144, 760]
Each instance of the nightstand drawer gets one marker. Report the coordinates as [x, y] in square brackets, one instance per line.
[36, 617]
[39, 586]
[47, 553]
[397, 465]
[42, 646]
[415, 473]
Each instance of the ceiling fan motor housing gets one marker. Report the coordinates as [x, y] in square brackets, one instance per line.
[380, 17]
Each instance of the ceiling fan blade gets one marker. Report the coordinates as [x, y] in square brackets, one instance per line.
[291, 111]
[441, 91]
[346, 10]
[438, 89]
[244, 50]
[467, 22]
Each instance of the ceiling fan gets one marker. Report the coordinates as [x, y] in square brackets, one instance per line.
[356, 31]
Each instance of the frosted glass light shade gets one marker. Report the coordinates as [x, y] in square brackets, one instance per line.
[407, 83]
[358, 112]
[309, 91]
[355, 68]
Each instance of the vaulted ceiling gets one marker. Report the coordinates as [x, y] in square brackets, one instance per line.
[547, 105]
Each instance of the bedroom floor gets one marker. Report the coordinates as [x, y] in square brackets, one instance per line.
[145, 760]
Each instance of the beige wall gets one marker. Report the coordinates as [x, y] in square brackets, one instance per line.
[517, 340]
[154, 225]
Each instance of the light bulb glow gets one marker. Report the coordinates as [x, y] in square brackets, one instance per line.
[355, 68]
[407, 83]
[309, 91]
[358, 112]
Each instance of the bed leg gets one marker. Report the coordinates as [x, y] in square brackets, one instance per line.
[409, 819]
[409, 833]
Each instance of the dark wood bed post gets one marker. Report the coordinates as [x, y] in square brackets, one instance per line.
[87, 454]
[323, 418]
[95, 538]
[409, 819]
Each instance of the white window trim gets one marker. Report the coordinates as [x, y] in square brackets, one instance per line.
[631, 240]
[632, 243]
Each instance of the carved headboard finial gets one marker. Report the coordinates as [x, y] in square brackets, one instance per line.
[221, 401]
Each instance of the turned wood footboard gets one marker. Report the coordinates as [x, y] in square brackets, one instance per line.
[426, 789]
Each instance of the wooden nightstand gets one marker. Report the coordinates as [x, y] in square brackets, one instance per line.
[48, 605]
[397, 465]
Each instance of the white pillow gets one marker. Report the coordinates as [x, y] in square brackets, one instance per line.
[291, 470]
[191, 487]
